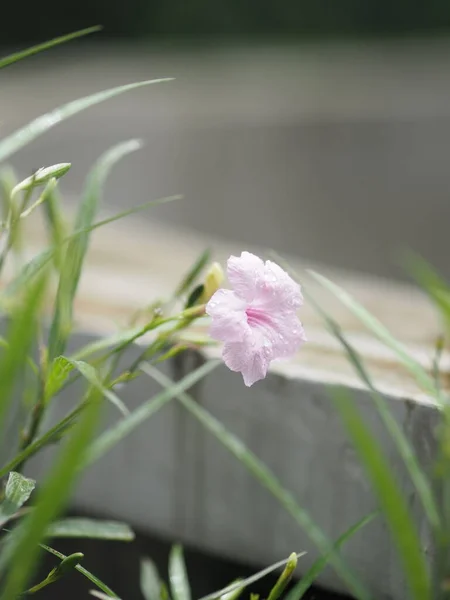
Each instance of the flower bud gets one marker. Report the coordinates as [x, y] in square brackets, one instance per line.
[41, 176]
[213, 281]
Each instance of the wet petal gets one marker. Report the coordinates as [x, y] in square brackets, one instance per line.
[245, 273]
[252, 362]
[227, 312]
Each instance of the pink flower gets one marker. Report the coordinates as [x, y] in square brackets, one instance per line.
[257, 320]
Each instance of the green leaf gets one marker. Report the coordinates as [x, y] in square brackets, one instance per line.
[115, 434]
[22, 137]
[99, 595]
[95, 580]
[433, 284]
[51, 500]
[66, 566]
[78, 527]
[58, 373]
[307, 580]
[149, 580]
[49, 437]
[12, 58]
[234, 594]
[193, 273]
[284, 579]
[60, 370]
[390, 497]
[77, 248]
[261, 472]
[18, 490]
[19, 339]
[416, 473]
[179, 581]
[240, 585]
[380, 331]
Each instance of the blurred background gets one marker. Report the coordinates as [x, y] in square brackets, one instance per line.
[321, 129]
[316, 128]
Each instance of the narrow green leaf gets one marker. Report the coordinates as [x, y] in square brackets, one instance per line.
[234, 594]
[308, 579]
[99, 595]
[268, 480]
[76, 252]
[115, 339]
[66, 566]
[149, 580]
[22, 137]
[240, 585]
[390, 497]
[51, 436]
[58, 373]
[19, 339]
[193, 273]
[61, 369]
[56, 225]
[17, 492]
[77, 527]
[284, 579]
[402, 443]
[115, 434]
[433, 284]
[12, 58]
[381, 332]
[178, 577]
[95, 580]
[51, 500]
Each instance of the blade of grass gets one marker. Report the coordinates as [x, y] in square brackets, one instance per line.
[19, 340]
[51, 500]
[46, 439]
[61, 368]
[389, 495]
[260, 471]
[76, 251]
[12, 58]
[79, 527]
[95, 580]
[149, 580]
[381, 332]
[22, 137]
[193, 273]
[418, 477]
[115, 434]
[179, 581]
[238, 585]
[433, 284]
[308, 579]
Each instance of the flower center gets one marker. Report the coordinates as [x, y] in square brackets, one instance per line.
[256, 316]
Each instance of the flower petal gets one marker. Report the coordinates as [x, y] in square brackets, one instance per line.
[277, 292]
[227, 311]
[252, 362]
[245, 273]
[287, 335]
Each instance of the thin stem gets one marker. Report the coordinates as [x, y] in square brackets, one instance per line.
[49, 437]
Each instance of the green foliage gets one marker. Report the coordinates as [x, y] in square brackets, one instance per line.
[99, 366]
[17, 492]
